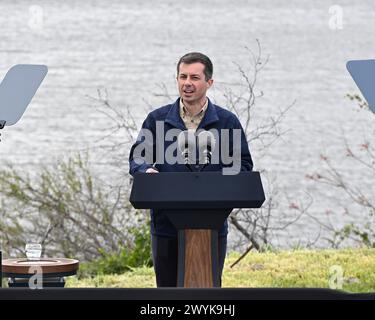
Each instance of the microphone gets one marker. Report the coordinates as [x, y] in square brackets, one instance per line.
[206, 144]
[186, 142]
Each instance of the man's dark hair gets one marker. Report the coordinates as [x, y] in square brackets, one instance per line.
[193, 57]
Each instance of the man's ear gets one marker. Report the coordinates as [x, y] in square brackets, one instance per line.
[209, 83]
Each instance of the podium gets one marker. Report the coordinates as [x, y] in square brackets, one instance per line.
[197, 204]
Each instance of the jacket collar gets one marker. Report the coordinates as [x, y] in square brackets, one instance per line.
[174, 119]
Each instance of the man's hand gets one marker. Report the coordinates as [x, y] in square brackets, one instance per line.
[152, 170]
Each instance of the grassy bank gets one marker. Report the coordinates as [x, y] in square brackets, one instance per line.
[283, 269]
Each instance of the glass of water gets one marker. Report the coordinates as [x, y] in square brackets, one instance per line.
[33, 251]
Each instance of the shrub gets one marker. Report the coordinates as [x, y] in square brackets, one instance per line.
[125, 260]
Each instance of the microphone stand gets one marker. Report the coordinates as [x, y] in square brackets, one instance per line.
[187, 165]
[207, 160]
[185, 155]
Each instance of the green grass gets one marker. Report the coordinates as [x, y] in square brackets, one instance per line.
[282, 269]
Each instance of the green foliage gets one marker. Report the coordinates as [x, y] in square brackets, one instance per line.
[126, 259]
[365, 234]
[68, 210]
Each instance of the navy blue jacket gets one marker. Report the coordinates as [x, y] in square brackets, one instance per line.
[214, 118]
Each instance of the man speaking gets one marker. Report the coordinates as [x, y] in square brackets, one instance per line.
[192, 114]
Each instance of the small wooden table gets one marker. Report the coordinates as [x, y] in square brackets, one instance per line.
[53, 271]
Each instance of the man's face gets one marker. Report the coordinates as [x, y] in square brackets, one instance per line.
[192, 83]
